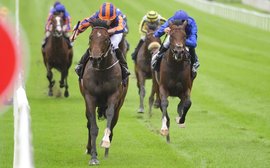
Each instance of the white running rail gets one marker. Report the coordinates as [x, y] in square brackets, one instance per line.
[23, 152]
[251, 18]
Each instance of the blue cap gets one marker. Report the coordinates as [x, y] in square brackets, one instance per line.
[180, 15]
[60, 8]
[56, 3]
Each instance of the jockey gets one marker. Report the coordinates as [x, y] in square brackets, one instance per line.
[107, 12]
[58, 9]
[191, 41]
[150, 17]
[119, 12]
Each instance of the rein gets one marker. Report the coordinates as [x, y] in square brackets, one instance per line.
[106, 54]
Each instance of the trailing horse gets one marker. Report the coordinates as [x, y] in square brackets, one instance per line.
[175, 77]
[102, 88]
[143, 69]
[57, 54]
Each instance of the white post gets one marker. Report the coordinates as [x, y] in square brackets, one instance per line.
[23, 157]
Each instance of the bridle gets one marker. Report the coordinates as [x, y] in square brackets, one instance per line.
[179, 51]
[104, 54]
[58, 28]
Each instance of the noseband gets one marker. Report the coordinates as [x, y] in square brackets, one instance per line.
[180, 51]
[58, 28]
[104, 54]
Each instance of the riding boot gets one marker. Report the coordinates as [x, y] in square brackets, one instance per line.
[44, 42]
[194, 62]
[124, 67]
[135, 53]
[70, 45]
[157, 58]
[81, 64]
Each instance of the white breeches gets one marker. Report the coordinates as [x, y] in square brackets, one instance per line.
[116, 39]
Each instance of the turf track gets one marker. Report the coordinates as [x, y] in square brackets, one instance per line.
[227, 126]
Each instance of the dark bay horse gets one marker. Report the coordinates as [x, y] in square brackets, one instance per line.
[57, 54]
[175, 77]
[102, 88]
[143, 69]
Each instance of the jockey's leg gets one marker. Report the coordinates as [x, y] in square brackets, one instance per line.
[116, 39]
[70, 45]
[194, 62]
[157, 57]
[81, 64]
[44, 42]
[123, 63]
[135, 53]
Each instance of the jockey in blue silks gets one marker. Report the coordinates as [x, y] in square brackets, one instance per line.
[58, 8]
[191, 41]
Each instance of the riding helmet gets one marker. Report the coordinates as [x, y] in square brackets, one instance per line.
[180, 15]
[152, 16]
[107, 11]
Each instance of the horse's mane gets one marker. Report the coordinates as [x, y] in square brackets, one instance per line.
[99, 23]
[177, 22]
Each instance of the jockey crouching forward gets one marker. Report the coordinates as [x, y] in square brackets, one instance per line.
[151, 17]
[107, 12]
[191, 41]
[58, 9]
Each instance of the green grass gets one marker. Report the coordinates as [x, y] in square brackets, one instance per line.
[227, 126]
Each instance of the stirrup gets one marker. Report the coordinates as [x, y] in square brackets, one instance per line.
[78, 69]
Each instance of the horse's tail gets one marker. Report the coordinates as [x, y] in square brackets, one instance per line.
[102, 112]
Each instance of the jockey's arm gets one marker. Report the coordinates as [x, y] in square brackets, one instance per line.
[162, 20]
[161, 31]
[48, 24]
[68, 24]
[192, 37]
[142, 27]
[119, 28]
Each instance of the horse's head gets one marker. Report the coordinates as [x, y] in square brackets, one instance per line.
[152, 42]
[178, 40]
[99, 41]
[57, 25]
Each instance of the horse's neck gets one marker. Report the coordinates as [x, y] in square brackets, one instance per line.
[57, 42]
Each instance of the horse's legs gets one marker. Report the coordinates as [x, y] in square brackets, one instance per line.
[51, 82]
[92, 130]
[154, 90]
[106, 138]
[113, 123]
[182, 109]
[165, 117]
[141, 80]
[63, 82]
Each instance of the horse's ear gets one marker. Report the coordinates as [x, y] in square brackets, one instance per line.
[185, 23]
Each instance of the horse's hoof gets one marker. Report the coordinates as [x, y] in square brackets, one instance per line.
[93, 162]
[66, 94]
[50, 93]
[105, 144]
[182, 125]
[164, 132]
[140, 110]
[177, 119]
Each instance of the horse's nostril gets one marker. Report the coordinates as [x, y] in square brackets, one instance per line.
[91, 58]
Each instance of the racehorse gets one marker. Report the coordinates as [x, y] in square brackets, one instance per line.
[102, 88]
[56, 54]
[175, 77]
[143, 69]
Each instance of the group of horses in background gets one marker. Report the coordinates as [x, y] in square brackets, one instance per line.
[101, 84]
